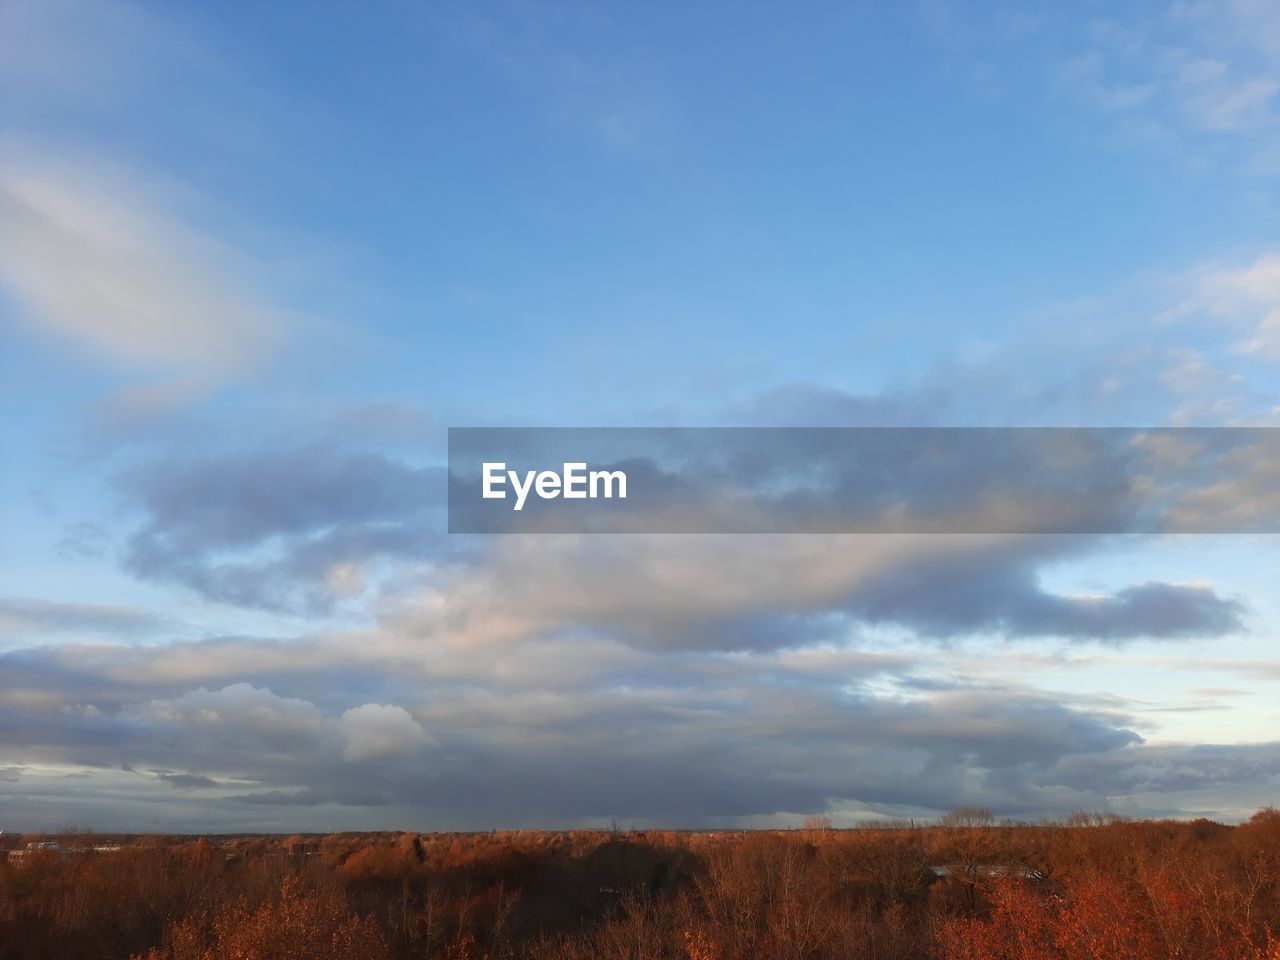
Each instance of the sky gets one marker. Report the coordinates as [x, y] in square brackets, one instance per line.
[255, 259]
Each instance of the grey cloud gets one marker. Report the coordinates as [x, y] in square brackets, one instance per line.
[721, 737]
[34, 618]
[1171, 768]
[298, 529]
[186, 781]
[272, 528]
[83, 541]
[285, 798]
[242, 735]
[759, 631]
[301, 528]
[352, 796]
[239, 500]
[998, 590]
[1155, 610]
[774, 592]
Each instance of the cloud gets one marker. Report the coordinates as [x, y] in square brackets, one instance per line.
[1170, 768]
[1192, 75]
[83, 541]
[1253, 25]
[1086, 74]
[624, 735]
[1245, 296]
[283, 529]
[186, 781]
[950, 596]
[620, 101]
[38, 619]
[237, 717]
[1219, 101]
[1181, 347]
[773, 592]
[573, 730]
[378, 731]
[97, 263]
[113, 674]
[113, 258]
[285, 798]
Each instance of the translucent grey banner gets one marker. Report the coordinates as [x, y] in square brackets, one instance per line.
[864, 480]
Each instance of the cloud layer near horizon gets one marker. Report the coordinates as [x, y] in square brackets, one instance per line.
[554, 733]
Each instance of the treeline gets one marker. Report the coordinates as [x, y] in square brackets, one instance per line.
[1092, 888]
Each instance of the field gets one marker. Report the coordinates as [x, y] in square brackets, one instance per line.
[1090, 888]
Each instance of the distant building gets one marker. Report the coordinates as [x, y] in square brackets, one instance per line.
[52, 846]
[985, 870]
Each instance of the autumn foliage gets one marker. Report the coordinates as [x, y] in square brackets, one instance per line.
[297, 924]
[1090, 888]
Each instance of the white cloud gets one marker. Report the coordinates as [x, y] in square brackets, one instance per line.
[1243, 297]
[379, 731]
[1196, 74]
[1217, 98]
[97, 262]
[237, 717]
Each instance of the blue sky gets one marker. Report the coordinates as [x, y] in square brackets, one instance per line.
[255, 258]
